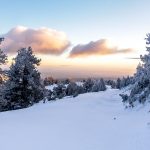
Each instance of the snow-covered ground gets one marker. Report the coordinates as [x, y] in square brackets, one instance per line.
[92, 121]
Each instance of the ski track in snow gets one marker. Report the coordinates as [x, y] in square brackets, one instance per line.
[92, 121]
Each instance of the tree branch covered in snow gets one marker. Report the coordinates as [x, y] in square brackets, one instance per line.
[141, 89]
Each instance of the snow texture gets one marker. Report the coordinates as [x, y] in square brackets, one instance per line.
[91, 121]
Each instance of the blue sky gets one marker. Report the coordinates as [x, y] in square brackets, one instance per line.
[80, 19]
[124, 22]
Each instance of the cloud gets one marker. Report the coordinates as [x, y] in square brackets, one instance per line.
[42, 40]
[100, 47]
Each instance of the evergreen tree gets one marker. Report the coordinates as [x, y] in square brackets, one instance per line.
[59, 91]
[73, 89]
[112, 83]
[3, 60]
[49, 95]
[23, 87]
[49, 81]
[102, 86]
[118, 83]
[141, 88]
[99, 86]
[125, 81]
[95, 87]
[87, 85]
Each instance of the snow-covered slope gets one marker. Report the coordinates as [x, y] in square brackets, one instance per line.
[92, 121]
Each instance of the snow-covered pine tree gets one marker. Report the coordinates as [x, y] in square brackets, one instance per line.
[118, 83]
[141, 88]
[139, 72]
[73, 89]
[3, 59]
[95, 87]
[111, 83]
[99, 85]
[59, 91]
[23, 87]
[87, 85]
[102, 86]
[123, 82]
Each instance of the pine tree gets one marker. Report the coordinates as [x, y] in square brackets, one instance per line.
[3, 60]
[88, 84]
[95, 87]
[102, 86]
[118, 83]
[23, 87]
[73, 89]
[99, 85]
[59, 91]
[141, 88]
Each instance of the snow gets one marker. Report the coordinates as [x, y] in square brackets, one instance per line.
[50, 87]
[79, 83]
[92, 121]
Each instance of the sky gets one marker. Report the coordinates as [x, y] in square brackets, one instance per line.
[78, 38]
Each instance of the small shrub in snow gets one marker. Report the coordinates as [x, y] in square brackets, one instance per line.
[49, 95]
[59, 91]
[72, 89]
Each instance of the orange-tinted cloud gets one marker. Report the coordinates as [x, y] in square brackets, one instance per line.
[43, 40]
[99, 47]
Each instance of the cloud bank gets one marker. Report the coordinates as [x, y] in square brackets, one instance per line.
[42, 40]
[99, 47]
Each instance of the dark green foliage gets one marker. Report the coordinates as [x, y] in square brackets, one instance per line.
[23, 87]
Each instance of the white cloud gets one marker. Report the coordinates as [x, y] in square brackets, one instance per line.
[100, 47]
[42, 40]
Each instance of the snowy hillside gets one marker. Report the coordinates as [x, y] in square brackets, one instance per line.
[92, 121]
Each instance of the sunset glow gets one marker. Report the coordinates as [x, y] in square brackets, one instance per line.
[99, 39]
